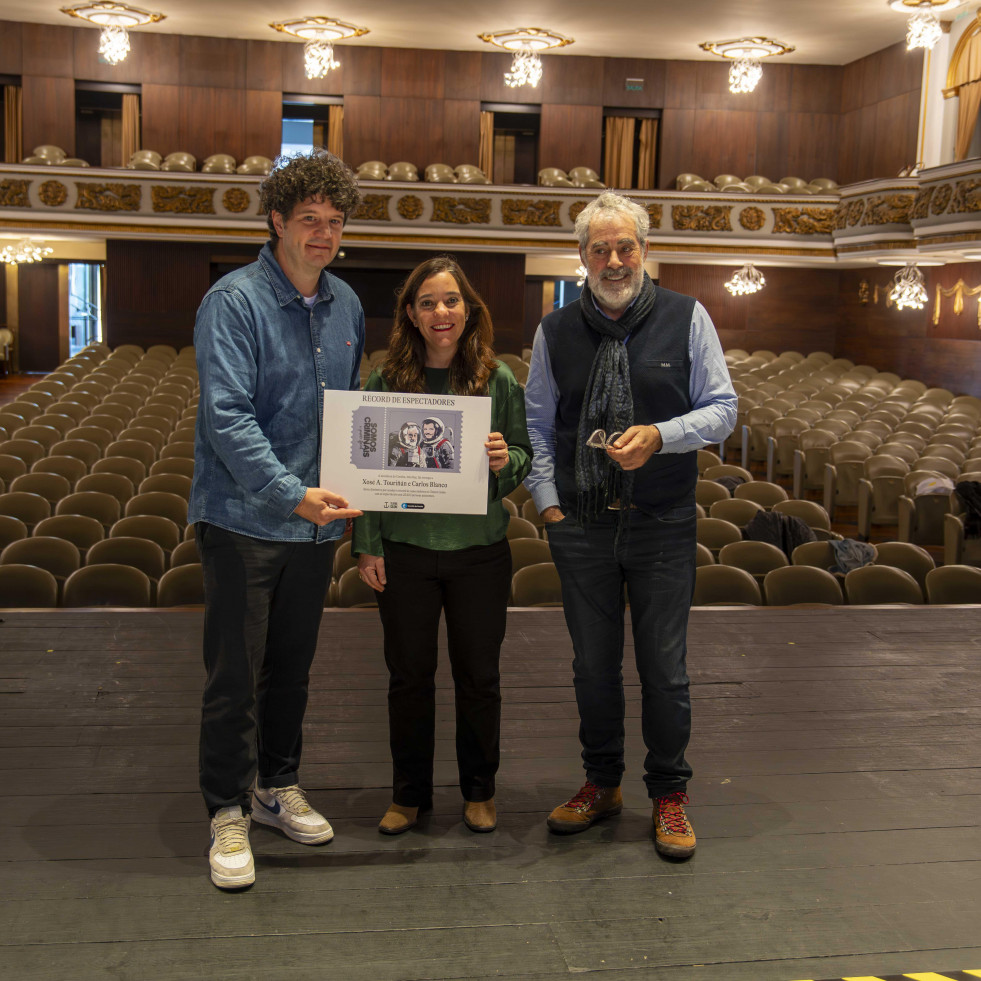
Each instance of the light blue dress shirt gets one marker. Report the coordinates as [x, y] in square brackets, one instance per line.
[711, 419]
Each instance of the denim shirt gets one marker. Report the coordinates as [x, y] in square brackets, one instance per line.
[264, 359]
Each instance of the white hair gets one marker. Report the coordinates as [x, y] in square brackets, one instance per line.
[611, 202]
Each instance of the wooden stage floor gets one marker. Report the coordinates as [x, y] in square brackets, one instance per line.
[837, 802]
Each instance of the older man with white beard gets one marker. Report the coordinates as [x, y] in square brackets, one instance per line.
[626, 383]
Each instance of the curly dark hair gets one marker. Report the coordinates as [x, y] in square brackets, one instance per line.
[404, 369]
[319, 175]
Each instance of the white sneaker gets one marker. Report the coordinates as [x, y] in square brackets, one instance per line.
[230, 854]
[286, 808]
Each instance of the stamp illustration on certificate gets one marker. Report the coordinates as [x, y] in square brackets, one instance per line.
[388, 451]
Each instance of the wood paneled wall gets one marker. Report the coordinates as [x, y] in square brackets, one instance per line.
[796, 311]
[211, 95]
[38, 298]
[880, 109]
[153, 290]
[946, 354]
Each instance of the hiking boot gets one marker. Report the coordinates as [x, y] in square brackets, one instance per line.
[590, 805]
[286, 808]
[229, 852]
[673, 835]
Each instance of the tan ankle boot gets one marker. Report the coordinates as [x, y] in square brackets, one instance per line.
[480, 815]
[398, 819]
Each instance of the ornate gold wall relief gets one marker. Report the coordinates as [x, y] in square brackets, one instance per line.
[921, 204]
[967, 196]
[462, 211]
[802, 221]
[13, 194]
[855, 211]
[373, 207]
[575, 208]
[107, 197]
[941, 198]
[183, 200]
[520, 211]
[752, 219]
[409, 207]
[841, 216]
[888, 209]
[701, 218]
[52, 193]
[656, 213]
[235, 200]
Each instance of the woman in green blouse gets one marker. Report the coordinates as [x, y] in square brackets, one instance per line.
[422, 565]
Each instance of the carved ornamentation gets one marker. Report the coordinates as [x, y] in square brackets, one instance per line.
[517, 211]
[655, 212]
[575, 208]
[409, 207]
[841, 216]
[701, 218]
[802, 221]
[183, 200]
[373, 207]
[855, 211]
[52, 193]
[752, 219]
[863, 292]
[13, 194]
[108, 197]
[921, 206]
[888, 209]
[235, 200]
[462, 211]
[941, 198]
[967, 196]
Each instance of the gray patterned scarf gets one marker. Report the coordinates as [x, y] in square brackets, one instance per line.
[607, 404]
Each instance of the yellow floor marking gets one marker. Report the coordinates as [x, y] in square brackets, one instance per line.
[929, 976]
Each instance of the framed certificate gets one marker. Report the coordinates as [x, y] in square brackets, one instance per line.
[392, 451]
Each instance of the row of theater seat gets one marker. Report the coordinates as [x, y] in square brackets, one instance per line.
[858, 438]
[804, 585]
[95, 471]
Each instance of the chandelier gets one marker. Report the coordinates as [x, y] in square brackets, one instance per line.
[26, 250]
[746, 281]
[114, 19]
[525, 43]
[746, 54]
[909, 289]
[923, 29]
[319, 33]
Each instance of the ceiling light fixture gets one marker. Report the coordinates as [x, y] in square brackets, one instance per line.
[115, 19]
[923, 29]
[319, 33]
[746, 54]
[26, 250]
[746, 281]
[909, 289]
[525, 43]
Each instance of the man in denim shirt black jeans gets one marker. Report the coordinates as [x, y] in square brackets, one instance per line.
[270, 338]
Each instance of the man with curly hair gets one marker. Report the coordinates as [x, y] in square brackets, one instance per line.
[270, 338]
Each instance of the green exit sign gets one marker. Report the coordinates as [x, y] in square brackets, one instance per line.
[635, 85]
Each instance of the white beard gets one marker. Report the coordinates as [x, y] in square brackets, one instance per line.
[616, 294]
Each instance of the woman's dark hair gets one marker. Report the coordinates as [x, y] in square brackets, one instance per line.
[318, 175]
[404, 369]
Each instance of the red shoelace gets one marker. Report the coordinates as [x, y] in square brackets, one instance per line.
[671, 814]
[585, 799]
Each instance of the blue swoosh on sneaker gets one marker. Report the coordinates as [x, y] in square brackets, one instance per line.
[272, 810]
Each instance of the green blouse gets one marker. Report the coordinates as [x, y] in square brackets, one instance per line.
[444, 532]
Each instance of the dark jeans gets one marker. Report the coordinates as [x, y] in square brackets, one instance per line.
[471, 586]
[263, 605]
[656, 560]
